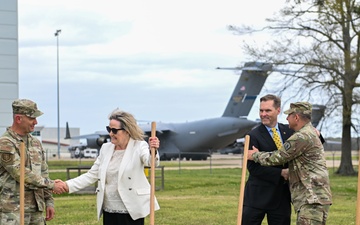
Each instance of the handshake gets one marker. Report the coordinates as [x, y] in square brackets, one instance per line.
[60, 187]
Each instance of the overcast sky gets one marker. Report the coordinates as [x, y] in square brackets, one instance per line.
[155, 58]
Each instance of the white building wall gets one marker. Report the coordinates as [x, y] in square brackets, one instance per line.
[9, 80]
[49, 141]
[9, 72]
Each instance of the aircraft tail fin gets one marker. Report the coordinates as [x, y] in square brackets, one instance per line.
[250, 83]
[67, 134]
[317, 114]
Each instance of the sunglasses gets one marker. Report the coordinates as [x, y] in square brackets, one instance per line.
[114, 130]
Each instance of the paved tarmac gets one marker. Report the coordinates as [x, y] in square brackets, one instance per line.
[234, 161]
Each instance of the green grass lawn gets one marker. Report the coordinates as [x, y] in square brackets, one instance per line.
[199, 197]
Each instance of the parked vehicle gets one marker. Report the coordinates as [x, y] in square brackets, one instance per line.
[90, 153]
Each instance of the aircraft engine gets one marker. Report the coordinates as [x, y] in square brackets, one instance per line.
[101, 140]
[96, 143]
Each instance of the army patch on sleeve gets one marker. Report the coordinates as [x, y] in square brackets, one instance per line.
[6, 147]
[6, 158]
[287, 146]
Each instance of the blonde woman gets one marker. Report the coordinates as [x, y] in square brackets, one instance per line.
[123, 192]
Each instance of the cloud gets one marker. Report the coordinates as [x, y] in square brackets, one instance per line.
[155, 59]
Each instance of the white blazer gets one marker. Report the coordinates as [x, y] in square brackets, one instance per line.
[133, 186]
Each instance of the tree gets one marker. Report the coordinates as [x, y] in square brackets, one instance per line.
[321, 41]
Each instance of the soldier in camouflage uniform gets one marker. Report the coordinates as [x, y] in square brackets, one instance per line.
[38, 186]
[308, 174]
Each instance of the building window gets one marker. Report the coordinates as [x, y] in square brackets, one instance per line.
[36, 133]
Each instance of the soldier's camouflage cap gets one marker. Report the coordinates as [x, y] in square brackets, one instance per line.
[300, 107]
[26, 107]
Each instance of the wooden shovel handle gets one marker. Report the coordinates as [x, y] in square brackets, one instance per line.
[22, 183]
[152, 177]
[243, 176]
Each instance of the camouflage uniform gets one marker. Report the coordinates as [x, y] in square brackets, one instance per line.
[308, 174]
[38, 186]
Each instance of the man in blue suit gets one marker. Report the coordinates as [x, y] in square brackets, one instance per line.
[267, 189]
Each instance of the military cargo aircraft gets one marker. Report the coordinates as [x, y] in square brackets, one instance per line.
[196, 140]
[317, 116]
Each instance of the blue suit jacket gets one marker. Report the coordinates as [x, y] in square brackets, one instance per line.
[265, 187]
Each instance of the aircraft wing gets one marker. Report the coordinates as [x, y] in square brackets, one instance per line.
[95, 135]
[160, 128]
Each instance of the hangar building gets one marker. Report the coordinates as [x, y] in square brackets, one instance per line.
[9, 79]
[9, 69]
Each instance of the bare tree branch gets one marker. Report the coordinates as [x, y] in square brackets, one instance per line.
[321, 41]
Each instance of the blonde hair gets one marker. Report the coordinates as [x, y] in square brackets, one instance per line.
[128, 122]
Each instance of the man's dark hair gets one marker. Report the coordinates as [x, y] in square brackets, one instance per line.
[276, 99]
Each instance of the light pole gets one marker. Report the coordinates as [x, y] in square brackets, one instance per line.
[57, 33]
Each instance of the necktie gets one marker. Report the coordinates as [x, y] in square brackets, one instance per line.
[276, 138]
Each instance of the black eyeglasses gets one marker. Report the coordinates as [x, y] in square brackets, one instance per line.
[114, 130]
